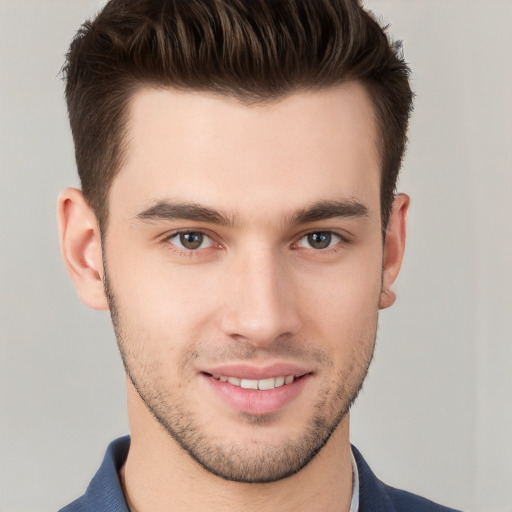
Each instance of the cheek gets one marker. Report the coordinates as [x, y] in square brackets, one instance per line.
[160, 304]
[342, 304]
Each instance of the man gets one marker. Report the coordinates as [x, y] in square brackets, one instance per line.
[238, 162]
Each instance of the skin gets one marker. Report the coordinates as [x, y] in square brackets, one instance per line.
[256, 291]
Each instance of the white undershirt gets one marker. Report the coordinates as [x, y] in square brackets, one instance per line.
[354, 504]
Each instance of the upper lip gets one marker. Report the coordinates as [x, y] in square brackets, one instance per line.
[248, 371]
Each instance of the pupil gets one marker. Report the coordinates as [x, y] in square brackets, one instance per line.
[191, 240]
[319, 240]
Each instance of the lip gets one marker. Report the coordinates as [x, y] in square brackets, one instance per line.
[245, 371]
[252, 401]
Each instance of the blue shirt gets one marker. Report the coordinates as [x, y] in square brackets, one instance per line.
[105, 493]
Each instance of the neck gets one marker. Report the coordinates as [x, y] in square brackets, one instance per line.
[158, 475]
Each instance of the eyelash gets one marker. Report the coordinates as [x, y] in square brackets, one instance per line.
[183, 251]
[342, 240]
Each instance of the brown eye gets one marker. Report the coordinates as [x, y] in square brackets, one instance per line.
[190, 240]
[319, 240]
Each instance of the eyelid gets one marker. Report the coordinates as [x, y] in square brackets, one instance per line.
[167, 239]
[342, 239]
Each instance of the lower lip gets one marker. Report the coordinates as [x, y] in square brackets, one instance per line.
[254, 401]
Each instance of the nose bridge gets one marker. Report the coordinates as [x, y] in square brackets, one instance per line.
[261, 305]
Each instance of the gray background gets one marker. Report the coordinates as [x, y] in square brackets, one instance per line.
[435, 416]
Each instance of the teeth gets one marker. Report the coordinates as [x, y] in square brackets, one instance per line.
[249, 384]
[263, 384]
[279, 382]
[267, 383]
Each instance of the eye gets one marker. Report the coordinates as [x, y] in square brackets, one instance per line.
[319, 240]
[190, 240]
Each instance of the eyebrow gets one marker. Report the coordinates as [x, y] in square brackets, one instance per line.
[324, 210]
[321, 210]
[168, 210]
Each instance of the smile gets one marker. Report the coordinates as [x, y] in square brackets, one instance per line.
[262, 384]
[257, 391]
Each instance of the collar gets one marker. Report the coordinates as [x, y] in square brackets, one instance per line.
[354, 504]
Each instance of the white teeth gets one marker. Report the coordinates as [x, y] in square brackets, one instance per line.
[249, 384]
[279, 382]
[267, 383]
[263, 384]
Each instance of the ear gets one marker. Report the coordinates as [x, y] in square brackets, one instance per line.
[80, 243]
[394, 247]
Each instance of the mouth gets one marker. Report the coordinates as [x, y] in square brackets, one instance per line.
[257, 391]
[261, 384]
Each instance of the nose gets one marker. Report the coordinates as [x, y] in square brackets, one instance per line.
[260, 304]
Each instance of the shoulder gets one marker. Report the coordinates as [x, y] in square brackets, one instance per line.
[76, 506]
[105, 491]
[376, 496]
[404, 501]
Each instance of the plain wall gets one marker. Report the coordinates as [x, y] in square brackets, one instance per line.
[435, 415]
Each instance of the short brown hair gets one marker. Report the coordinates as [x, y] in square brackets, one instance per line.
[253, 50]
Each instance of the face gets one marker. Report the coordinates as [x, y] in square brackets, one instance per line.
[244, 265]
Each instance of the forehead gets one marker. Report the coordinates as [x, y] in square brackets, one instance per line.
[213, 150]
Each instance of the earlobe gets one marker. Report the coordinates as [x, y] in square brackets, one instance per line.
[394, 247]
[80, 242]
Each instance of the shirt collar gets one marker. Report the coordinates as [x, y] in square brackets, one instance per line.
[354, 504]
